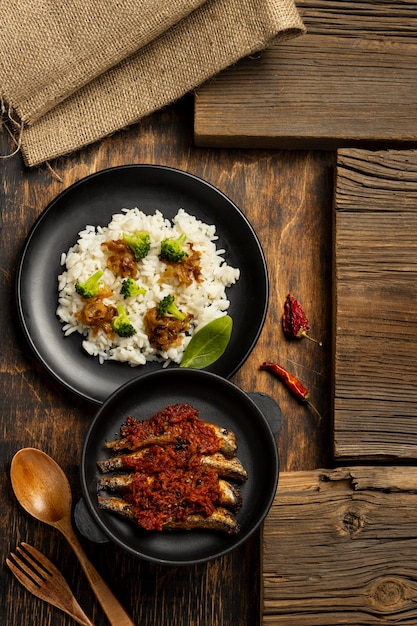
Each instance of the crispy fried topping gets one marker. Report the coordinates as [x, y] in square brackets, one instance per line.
[184, 271]
[121, 259]
[97, 314]
[165, 332]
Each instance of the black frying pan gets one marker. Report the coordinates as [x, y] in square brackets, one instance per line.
[220, 402]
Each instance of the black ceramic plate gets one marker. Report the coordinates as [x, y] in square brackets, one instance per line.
[93, 200]
[220, 402]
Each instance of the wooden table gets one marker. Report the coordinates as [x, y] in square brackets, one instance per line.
[287, 196]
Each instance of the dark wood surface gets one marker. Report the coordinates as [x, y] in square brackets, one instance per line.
[336, 86]
[354, 562]
[375, 396]
[288, 198]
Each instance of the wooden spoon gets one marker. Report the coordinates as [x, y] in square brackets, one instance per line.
[43, 490]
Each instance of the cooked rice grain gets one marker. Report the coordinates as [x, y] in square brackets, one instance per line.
[206, 301]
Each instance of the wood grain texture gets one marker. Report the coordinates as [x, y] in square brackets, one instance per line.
[288, 199]
[375, 396]
[350, 80]
[339, 548]
[381, 19]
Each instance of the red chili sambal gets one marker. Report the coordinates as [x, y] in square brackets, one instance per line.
[170, 484]
[182, 420]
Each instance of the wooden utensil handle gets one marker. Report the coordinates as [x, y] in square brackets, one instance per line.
[115, 613]
[81, 620]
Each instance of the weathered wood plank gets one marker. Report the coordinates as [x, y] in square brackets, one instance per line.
[375, 395]
[393, 19]
[350, 79]
[339, 548]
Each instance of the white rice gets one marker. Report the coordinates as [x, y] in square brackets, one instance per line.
[206, 301]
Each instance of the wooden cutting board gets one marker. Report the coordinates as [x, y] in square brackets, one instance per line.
[375, 315]
[352, 78]
[339, 547]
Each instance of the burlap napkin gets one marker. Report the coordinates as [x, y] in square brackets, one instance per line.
[210, 38]
[49, 49]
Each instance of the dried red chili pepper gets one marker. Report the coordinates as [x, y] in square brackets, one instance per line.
[291, 382]
[289, 379]
[294, 321]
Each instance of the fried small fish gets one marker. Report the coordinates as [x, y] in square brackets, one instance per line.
[230, 496]
[220, 520]
[225, 467]
[227, 441]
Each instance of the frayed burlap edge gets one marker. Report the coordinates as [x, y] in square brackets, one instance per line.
[12, 126]
[15, 130]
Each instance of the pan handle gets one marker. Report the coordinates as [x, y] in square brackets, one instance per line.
[86, 525]
[269, 408]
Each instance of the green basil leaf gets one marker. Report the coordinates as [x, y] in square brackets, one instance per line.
[208, 344]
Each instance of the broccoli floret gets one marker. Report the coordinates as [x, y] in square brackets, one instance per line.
[139, 243]
[168, 308]
[171, 249]
[130, 288]
[91, 286]
[121, 323]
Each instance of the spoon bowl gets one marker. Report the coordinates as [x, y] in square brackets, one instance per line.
[40, 486]
[43, 490]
